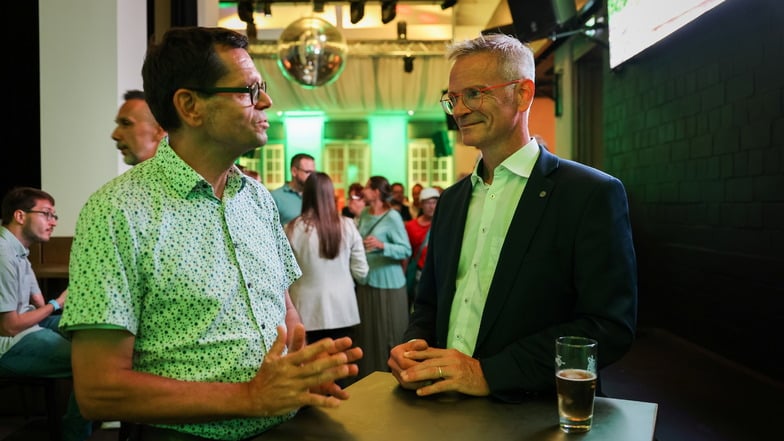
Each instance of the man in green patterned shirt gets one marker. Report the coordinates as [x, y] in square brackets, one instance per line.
[178, 300]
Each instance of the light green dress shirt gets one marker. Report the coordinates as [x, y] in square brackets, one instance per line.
[198, 281]
[490, 213]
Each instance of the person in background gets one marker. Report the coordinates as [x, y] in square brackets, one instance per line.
[355, 202]
[30, 342]
[383, 303]
[528, 248]
[398, 201]
[178, 304]
[288, 197]
[418, 230]
[416, 189]
[137, 134]
[330, 253]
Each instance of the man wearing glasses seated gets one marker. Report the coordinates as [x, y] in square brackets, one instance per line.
[288, 197]
[30, 343]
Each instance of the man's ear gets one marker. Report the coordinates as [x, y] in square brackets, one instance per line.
[189, 106]
[18, 216]
[526, 92]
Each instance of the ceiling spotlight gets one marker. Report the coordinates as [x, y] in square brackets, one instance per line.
[388, 10]
[448, 4]
[402, 30]
[266, 9]
[357, 11]
[318, 6]
[408, 64]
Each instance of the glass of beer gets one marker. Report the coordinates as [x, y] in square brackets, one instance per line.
[575, 379]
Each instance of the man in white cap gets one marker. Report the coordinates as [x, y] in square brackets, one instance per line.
[418, 230]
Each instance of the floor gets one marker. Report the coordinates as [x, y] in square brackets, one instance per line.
[701, 397]
[16, 428]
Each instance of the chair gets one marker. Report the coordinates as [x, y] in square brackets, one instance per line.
[54, 407]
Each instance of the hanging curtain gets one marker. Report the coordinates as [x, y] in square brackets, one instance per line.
[366, 85]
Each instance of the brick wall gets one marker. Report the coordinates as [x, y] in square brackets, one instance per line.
[694, 127]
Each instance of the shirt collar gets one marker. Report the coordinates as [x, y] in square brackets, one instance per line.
[520, 162]
[17, 246]
[184, 179]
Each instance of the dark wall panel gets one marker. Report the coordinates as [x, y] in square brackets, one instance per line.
[695, 129]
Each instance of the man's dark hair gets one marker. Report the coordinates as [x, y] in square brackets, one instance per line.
[185, 58]
[21, 198]
[298, 157]
[134, 94]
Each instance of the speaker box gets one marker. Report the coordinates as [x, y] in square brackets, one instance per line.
[537, 19]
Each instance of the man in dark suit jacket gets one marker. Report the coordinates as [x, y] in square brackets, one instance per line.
[528, 248]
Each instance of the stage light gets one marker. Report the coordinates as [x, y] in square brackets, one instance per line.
[357, 11]
[266, 9]
[388, 11]
[408, 64]
[448, 4]
[402, 30]
[318, 6]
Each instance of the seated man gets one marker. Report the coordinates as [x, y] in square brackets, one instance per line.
[30, 343]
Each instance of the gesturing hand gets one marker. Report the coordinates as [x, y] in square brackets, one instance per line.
[304, 376]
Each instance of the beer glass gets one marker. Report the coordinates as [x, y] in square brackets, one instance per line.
[575, 379]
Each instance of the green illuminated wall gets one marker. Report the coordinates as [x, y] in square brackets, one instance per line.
[389, 141]
[304, 134]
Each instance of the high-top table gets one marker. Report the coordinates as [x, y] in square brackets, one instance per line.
[379, 410]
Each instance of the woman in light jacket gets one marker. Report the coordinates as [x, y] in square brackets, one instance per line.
[330, 253]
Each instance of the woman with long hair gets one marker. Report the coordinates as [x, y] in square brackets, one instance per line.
[330, 253]
[383, 302]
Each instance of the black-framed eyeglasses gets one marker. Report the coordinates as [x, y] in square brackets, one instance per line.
[48, 214]
[254, 90]
[472, 96]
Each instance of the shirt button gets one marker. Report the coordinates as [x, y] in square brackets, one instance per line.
[250, 285]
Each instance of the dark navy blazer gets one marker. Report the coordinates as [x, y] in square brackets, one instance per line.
[567, 267]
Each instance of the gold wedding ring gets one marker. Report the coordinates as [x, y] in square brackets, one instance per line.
[440, 374]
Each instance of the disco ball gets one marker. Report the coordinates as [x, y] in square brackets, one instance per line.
[311, 52]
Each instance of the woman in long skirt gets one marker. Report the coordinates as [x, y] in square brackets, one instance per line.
[382, 299]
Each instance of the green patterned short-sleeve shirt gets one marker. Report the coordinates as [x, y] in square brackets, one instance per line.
[199, 281]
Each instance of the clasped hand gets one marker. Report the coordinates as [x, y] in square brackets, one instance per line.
[305, 376]
[431, 370]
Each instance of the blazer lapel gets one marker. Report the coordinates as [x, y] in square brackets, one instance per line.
[525, 221]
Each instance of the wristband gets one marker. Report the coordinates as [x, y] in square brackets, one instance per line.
[54, 303]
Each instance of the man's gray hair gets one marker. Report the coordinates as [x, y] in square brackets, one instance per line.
[515, 59]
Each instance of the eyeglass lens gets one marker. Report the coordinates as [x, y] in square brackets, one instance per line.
[472, 98]
[255, 91]
[47, 214]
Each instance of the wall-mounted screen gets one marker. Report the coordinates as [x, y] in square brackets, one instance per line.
[635, 25]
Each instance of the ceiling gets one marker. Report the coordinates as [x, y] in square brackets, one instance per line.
[428, 27]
